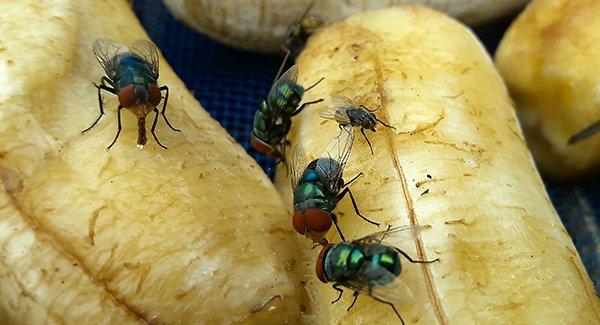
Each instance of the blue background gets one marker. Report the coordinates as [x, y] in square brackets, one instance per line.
[230, 83]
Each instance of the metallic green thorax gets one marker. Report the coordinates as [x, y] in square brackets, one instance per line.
[266, 126]
[311, 194]
[373, 263]
[132, 69]
[272, 120]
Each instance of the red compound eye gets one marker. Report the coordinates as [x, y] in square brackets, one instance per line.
[127, 96]
[366, 124]
[155, 95]
[320, 268]
[317, 220]
[299, 222]
[261, 146]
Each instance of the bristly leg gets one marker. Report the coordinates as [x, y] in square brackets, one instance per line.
[313, 86]
[119, 127]
[587, 132]
[101, 87]
[362, 130]
[336, 286]
[353, 179]
[337, 227]
[396, 311]
[353, 301]
[384, 234]
[164, 108]
[154, 128]
[349, 192]
[303, 106]
[410, 259]
[387, 126]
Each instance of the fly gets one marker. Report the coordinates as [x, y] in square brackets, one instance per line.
[348, 112]
[319, 186]
[370, 266]
[300, 30]
[273, 118]
[131, 74]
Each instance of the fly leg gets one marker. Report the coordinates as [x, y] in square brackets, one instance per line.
[384, 234]
[101, 87]
[118, 126]
[154, 128]
[348, 191]
[335, 222]
[362, 130]
[391, 305]
[414, 261]
[396, 311]
[382, 123]
[588, 131]
[316, 83]
[336, 286]
[353, 301]
[164, 108]
[303, 106]
[280, 154]
[352, 180]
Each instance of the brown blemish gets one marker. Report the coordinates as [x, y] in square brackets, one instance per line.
[389, 135]
[65, 249]
[182, 295]
[426, 126]
[462, 92]
[261, 306]
[457, 222]
[289, 265]
[92, 224]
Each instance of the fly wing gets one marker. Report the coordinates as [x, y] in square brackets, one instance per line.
[393, 236]
[337, 114]
[395, 292]
[106, 51]
[586, 132]
[290, 76]
[330, 165]
[343, 101]
[148, 52]
[298, 165]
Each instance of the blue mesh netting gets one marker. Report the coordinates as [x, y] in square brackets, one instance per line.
[230, 83]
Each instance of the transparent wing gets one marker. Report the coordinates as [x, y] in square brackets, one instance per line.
[330, 165]
[298, 165]
[148, 52]
[337, 114]
[343, 101]
[395, 292]
[393, 236]
[586, 132]
[290, 76]
[106, 51]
